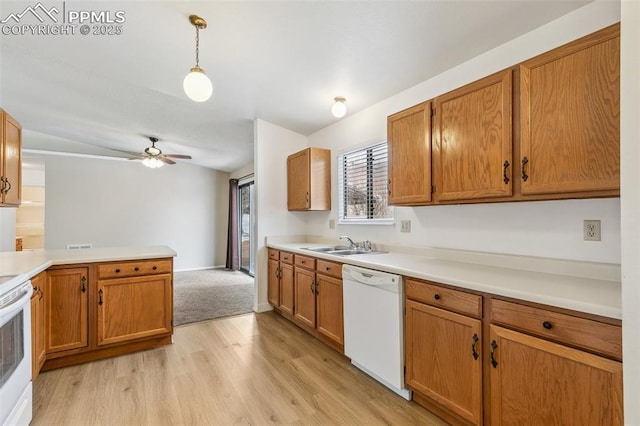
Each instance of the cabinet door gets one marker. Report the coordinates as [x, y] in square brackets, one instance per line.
[409, 151]
[329, 304]
[273, 290]
[444, 360]
[134, 308]
[570, 114]
[66, 305]
[305, 296]
[12, 161]
[534, 381]
[38, 346]
[286, 288]
[299, 181]
[472, 152]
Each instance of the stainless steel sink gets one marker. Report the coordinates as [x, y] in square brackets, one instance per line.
[341, 250]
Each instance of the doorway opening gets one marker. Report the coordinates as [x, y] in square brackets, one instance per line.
[246, 234]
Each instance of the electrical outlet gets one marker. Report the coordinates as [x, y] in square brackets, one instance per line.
[332, 224]
[405, 226]
[592, 230]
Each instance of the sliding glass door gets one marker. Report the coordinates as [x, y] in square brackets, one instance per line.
[246, 239]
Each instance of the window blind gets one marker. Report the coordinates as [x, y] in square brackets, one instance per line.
[362, 181]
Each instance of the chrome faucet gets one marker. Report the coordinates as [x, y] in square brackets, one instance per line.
[352, 244]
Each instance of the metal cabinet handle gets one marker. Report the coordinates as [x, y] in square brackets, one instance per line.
[6, 190]
[136, 269]
[436, 296]
[117, 271]
[317, 285]
[494, 346]
[525, 176]
[307, 198]
[505, 178]
[84, 284]
[311, 287]
[2, 185]
[100, 302]
[154, 268]
[547, 325]
[475, 339]
[389, 186]
[327, 268]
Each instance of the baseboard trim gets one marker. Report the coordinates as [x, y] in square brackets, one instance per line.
[264, 307]
[198, 269]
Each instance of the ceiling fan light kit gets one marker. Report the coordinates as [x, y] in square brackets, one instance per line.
[152, 163]
[196, 84]
[339, 108]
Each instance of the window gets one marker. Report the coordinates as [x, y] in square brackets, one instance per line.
[362, 181]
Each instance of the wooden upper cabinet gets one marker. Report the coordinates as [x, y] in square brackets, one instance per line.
[10, 160]
[570, 117]
[66, 307]
[472, 150]
[409, 151]
[537, 382]
[309, 180]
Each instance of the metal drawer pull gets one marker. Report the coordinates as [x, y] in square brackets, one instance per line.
[475, 339]
[547, 325]
[311, 287]
[117, 271]
[136, 269]
[154, 268]
[494, 346]
[437, 296]
[84, 284]
[100, 297]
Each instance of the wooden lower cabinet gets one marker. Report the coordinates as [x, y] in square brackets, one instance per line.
[535, 381]
[280, 281]
[330, 316]
[67, 298]
[273, 283]
[443, 359]
[305, 296]
[134, 308]
[99, 310]
[38, 324]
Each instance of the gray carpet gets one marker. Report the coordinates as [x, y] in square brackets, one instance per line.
[209, 294]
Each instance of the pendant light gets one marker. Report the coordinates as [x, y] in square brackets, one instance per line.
[196, 84]
[339, 108]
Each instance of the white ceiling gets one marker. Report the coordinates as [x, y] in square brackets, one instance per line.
[283, 62]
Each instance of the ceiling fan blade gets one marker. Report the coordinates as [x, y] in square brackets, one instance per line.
[165, 160]
[136, 158]
[184, 157]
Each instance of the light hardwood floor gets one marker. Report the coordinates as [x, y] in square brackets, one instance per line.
[250, 369]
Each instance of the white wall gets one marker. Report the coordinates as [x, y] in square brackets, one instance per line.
[272, 145]
[121, 203]
[548, 229]
[630, 200]
[7, 229]
[242, 171]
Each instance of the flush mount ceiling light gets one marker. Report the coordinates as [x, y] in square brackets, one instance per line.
[196, 84]
[339, 108]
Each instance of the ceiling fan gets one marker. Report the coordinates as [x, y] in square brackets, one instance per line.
[153, 157]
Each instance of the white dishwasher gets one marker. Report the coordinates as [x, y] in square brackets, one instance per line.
[373, 325]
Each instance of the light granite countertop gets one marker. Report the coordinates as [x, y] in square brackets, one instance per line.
[26, 264]
[593, 288]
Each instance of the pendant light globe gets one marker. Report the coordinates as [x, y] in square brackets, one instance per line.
[197, 85]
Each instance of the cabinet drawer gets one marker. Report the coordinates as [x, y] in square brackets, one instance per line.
[274, 254]
[332, 269]
[304, 261]
[286, 257]
[562, 328]
[134, 268]
[446, 298]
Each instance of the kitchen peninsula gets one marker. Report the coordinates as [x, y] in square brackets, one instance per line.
[95, 303]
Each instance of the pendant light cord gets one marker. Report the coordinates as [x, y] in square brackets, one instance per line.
[197, 46]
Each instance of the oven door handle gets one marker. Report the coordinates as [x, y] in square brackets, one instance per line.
[6, 312]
